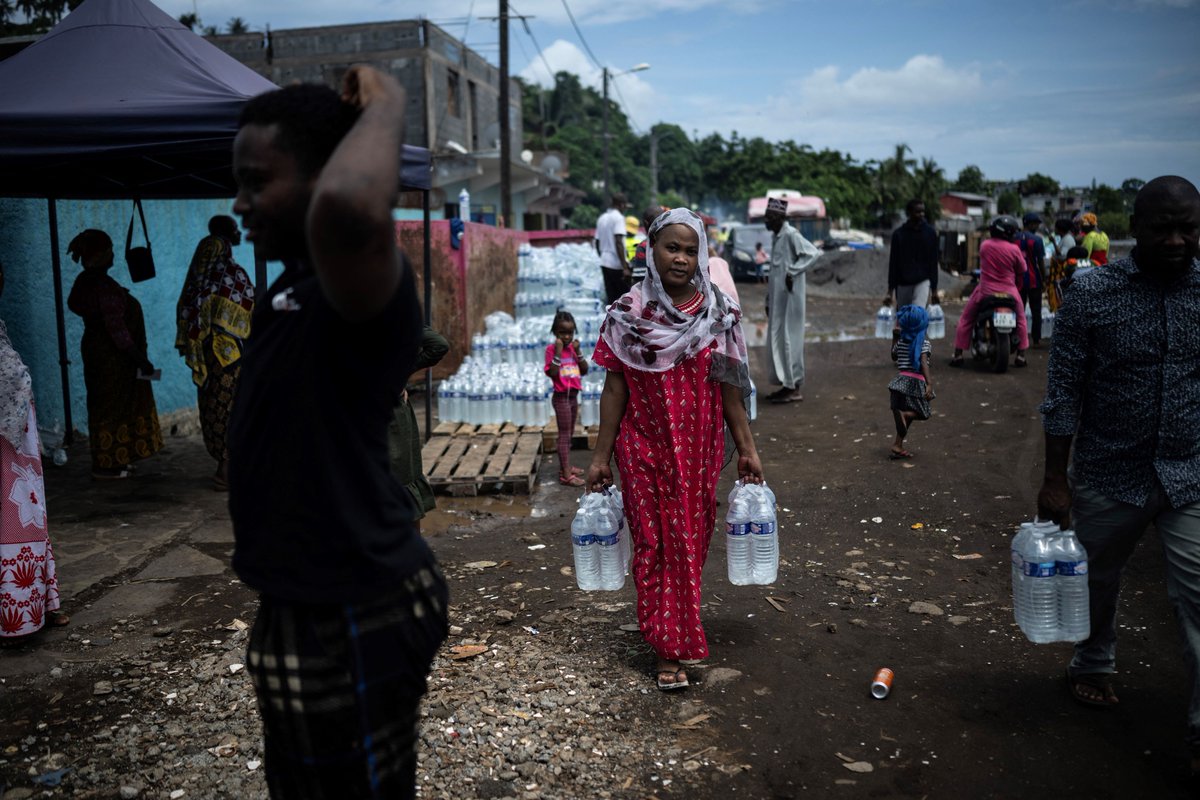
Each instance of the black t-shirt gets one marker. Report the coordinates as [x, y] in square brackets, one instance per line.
[317, 516]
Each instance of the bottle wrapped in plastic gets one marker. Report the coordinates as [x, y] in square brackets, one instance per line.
[583, 544]
[764, 534]
[1035, 600]
[1071, 575]
[937, 322]
[617, 500]
[883, 322]
[737, 536]
[610, 531]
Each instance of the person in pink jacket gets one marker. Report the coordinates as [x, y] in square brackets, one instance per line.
[1001, 268]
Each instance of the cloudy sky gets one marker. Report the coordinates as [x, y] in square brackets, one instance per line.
[1077, 89]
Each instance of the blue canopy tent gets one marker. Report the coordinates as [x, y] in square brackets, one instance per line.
[118, 101]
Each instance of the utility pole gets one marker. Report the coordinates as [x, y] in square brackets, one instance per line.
[653, 167]
[505, 129]
[605, 134]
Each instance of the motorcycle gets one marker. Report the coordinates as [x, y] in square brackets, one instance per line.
[992, 337]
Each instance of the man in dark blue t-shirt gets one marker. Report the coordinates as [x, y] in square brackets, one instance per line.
[352, 604]
[1034, 251]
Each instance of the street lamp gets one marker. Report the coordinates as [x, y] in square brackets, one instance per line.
[639, 68]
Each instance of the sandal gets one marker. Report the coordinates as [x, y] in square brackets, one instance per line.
[678, 679]
[57, 619]
[957, 361]
[572, 480]
[576, 471]
[1099, 683]
[1020, 361]
[219, 484]
[899, 455]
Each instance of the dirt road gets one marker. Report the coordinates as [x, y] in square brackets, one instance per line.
[782, 707]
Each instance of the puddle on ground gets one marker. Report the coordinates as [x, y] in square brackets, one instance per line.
[462, 511]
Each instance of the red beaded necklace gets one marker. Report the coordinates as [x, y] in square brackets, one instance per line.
[691, 306]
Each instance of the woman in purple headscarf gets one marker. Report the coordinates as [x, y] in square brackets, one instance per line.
[676, 362]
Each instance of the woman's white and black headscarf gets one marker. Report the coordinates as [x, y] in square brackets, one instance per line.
[646, 332]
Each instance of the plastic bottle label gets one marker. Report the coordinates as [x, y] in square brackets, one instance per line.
[1071, 567]
[762, 528]
[737, 528]
[606, 539]
[583, 540]
[1034, 569]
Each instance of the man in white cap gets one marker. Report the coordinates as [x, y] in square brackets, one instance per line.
[791, 256]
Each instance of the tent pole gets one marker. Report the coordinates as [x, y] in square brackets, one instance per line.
[61, 323]
[428, 285]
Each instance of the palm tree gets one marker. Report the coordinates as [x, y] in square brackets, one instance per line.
[929, 181]
[893, 183]
[237, 25]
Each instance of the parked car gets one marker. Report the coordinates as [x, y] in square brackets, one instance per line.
[739, 250]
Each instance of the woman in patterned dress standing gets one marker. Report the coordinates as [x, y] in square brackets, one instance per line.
[677, 374]
[28, 582]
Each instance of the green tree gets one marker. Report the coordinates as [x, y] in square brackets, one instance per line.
[237, 25]
[893, 183]
[1108, 200]
[1009, 202]
[32, 17]
[1114, 223]
[929, 181]
[1037, 183]
[189, 21]
[970, 179]
[1130, 187]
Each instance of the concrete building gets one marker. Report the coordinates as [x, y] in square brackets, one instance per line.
[453, 108]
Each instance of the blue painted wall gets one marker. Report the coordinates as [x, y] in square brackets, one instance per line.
[27, 306]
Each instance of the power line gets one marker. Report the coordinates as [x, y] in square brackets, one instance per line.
[579, 33]
[541, 53]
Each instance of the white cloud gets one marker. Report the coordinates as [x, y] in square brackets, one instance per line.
[640, 100]
[305, 13]
[923, 81]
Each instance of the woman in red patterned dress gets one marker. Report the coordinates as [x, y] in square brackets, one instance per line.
[677, 374]
[28, 581]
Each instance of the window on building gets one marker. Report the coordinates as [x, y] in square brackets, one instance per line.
[452, 93]
[474, 112]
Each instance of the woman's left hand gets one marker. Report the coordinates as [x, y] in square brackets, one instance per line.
[750, 469]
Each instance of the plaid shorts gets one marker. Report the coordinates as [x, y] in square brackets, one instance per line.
[339, 688]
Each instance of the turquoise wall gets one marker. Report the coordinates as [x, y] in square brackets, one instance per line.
[27, 306]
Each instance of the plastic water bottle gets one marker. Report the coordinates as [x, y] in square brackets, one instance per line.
[583, 543]
[1020, 543]
[1071, 575]
[464, 205]
[764, 534]
[617, 500]
[937, 322]
[1028, 318]
[609, 529]
[1037, 611]
[883, 322]
[737, 536]
[1047, 322]
[753, 401]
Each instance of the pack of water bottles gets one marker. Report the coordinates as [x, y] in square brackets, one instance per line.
[600, 541]
[937, 322]
[751, 535]
[1050, 584]
[503, 378]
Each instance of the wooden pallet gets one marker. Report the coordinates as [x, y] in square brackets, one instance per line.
[467, 429]
[466, 464]
[582, 438]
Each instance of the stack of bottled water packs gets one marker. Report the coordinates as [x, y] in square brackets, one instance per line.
[600, 542]
[502, 380]
[1050, 584]
[752, 535]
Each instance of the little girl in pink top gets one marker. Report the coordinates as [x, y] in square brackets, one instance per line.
[566, 367]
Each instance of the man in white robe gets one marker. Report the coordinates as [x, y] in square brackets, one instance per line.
[791, 256]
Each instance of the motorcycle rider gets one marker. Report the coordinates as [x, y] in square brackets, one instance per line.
[1002, 269]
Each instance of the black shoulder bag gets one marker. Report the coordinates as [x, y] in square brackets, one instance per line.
[139, 259]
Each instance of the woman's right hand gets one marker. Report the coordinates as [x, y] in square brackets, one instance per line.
[599, 476]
